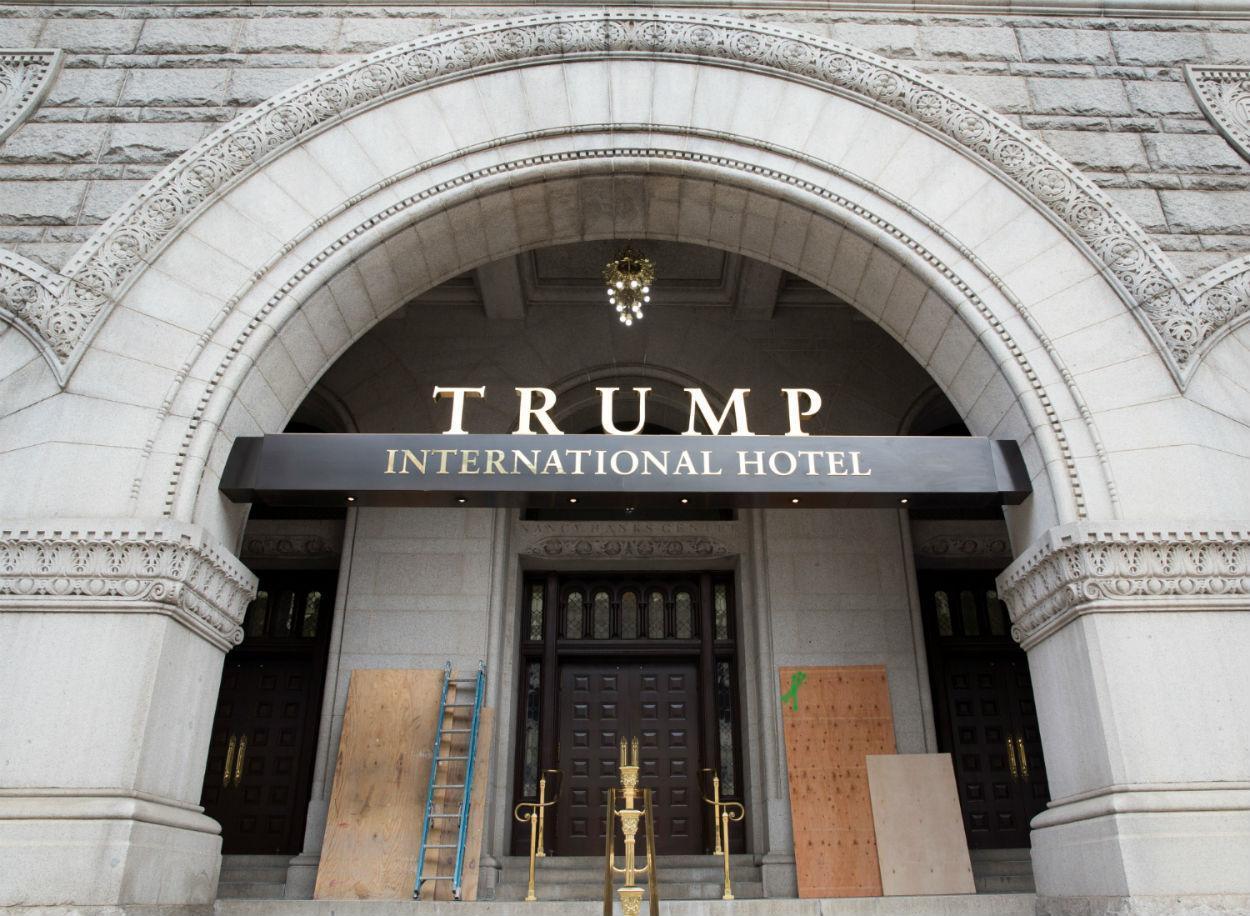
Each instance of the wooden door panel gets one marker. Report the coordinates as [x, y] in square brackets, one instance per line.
[601, 703]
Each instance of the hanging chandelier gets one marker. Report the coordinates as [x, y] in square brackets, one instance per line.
[628, 277]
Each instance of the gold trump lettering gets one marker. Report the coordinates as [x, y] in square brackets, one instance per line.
[560, 462]
[541, 405]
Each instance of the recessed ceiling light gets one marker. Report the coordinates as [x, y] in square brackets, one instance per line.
[572, 499]
[351, 499]
[462, 499]
[795, 500]
[903, 501]
[684, 500]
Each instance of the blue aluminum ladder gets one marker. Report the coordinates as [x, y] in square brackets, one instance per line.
[439, 759]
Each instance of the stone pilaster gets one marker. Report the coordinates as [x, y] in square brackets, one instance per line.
[112, 635]
[1137, 637]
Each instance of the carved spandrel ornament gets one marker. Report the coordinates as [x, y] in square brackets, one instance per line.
[1184, 318]
[165, 568]
[1083, 568]
[1223, 93]
[25, 78]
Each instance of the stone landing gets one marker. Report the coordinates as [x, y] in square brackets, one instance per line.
[961, 905]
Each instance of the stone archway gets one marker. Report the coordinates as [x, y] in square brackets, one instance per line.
[209, 305]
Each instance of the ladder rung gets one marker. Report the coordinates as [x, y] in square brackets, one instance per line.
[456, 731]
[456, 757]
[463, 680]
[439, 878]
[444, 815]
[456, 786]
[442, 846]
[458, 705]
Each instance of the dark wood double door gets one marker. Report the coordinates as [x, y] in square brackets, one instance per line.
[983, 705]
[603, 702]
[636, 655]
[258, 778]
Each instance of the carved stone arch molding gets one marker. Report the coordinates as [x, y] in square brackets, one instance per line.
[62, 311]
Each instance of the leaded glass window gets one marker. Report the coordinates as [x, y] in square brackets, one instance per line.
[536, 611]
[943, 614]
[968, 613]
[725, 727]
[312, 614]
[998, 618]
[573, 615]
[602, 616]
[720, 610]
[629, 615]
[257, 614]
[533, 702]
[683, 616]
[655, 615]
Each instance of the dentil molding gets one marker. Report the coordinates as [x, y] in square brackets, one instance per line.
[1084, 567]
[163, 567]
[1182, 318]
[1224, 95]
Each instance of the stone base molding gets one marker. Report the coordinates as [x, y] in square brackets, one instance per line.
[105, 848]
[127, 565]
[1232, 905]
[1106, 567]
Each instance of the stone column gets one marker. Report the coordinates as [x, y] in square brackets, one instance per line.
[1139, 647]
[112, 635]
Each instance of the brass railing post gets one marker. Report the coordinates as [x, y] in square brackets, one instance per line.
[535, 815]
[723, 813]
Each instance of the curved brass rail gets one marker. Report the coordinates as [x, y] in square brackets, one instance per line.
[724, 813]
[535, 814]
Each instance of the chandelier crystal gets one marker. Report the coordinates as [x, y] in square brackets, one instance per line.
[629, 277]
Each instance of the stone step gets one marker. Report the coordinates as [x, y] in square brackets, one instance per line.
[690, 890]
[231, 859]
[268, 873]
[1004, 884]
[953, 905]
[250, 890]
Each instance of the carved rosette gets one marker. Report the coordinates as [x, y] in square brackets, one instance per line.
[1184, 317]
[1224, 95]
[1085, 567]
[166, 567]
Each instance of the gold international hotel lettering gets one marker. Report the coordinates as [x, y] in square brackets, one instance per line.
[536, 404]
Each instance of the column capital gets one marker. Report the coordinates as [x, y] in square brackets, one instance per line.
[126, 565]
[1125, 566]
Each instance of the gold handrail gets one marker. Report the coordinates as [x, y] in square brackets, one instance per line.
[628, 816]
[536, 818]
[723, 814]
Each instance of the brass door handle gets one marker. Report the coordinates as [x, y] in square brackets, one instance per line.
[1024, 759]
[225, 773]
[238, 764]
[1011, 758]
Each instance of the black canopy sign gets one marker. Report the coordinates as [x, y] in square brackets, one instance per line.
[623, 471]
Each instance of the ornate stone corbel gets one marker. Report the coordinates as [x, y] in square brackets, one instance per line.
[1088, 567]
[126, 566]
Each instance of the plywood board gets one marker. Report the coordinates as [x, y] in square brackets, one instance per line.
[833, 720]
[920, 831]
[377, 802]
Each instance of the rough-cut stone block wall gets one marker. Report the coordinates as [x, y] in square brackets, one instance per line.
[143, 83]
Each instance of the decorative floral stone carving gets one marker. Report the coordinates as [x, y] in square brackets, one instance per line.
[648, 547]
[964, 545]
[294, 546]
[1224, 95]
[1079, 568]
[167, 567]
[1183, 318]
[25, 78]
